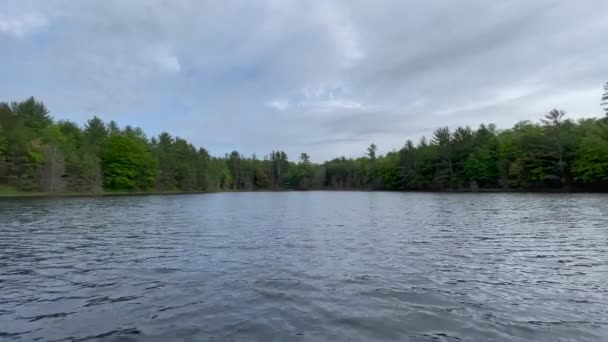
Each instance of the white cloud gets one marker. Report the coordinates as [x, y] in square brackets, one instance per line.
[337, 104]
[169, 63]
[328, 96]
[279, 105]
[322, 68]
[22, 26]
[166, 60]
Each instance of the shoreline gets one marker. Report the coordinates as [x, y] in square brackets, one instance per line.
[162, 193]
[93, 194]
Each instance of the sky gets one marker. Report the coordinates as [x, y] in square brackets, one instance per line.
[323, 77]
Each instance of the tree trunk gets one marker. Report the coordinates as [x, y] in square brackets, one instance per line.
[53, 170]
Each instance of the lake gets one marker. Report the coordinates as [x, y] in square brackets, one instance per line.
[305, 266]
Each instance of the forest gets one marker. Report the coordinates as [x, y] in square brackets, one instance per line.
[41, 155]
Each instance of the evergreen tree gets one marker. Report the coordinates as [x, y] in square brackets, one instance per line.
[304, 158]
[371, 151]
[605, 98]
[40, 154]
[442, 138]
[33, 114]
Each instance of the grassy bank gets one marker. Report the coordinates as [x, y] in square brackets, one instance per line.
[7, 192]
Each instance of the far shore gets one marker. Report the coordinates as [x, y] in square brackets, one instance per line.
[22, 194]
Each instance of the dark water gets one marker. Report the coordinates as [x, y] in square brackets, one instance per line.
[313, 266]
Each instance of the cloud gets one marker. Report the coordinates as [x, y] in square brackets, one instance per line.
[20, 27]
[319, 98]
[334, 104]
[326, 77]
[280, 105]
[166, 60]
[342, 31]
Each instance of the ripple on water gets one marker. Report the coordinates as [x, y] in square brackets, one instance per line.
[317, 266]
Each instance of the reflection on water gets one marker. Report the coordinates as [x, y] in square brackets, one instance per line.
[312, 266]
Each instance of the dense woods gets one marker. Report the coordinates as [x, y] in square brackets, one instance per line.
[38, 154]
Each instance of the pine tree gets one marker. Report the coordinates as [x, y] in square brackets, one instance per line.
[605, 98]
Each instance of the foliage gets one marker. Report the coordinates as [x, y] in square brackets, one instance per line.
[126, 163]
[591, 164]
[40, 154]
[605, 98]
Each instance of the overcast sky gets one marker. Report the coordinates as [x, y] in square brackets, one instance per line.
[317, 76]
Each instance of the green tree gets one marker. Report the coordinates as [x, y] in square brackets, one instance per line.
[204, 180]
[371, 151]
[463, 143]
[533, 166]
[38, 153]
[127, 163]
[94, 136]
[24, 124]
[304, 158]
[113, 127]
[3, 142]
[301, 176]
[34, 114]
[221, 173]
[559, 133]
[365, 174]
[163, 148]
[3, 152]
[591, 165]
[95, 133]
[185, 165]
[442, 138]
[235, 165]
[605, 98]
[482, 162]
[277, 168]
[480, 167]
[388, 171]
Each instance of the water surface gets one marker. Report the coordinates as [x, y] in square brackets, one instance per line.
[308, 266]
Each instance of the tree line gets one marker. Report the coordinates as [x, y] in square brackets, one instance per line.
[39, 154]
